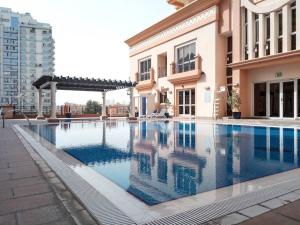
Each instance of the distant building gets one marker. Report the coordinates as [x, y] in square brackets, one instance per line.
[27, 52]
[118, 110]
[74, 109]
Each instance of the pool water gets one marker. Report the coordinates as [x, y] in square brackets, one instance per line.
[161, 161]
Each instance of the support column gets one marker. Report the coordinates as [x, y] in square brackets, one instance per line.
[103, 113]
[40, 115]
[286, 22]
[53, 103]
[298, 23]
[273, 33]
[261, 35]
[250, 35]
[132, 107]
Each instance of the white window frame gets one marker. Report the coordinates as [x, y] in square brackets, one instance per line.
[146, 74]
[183, 63]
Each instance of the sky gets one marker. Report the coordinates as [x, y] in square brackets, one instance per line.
[89, 37]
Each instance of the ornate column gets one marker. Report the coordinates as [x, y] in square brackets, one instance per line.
[40, 115]
[273, 33]
[261, 35]
[250, 35]
[286, 22]
[53, 103]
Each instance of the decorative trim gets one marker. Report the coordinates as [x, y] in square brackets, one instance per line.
[185, 26]
[182, 14]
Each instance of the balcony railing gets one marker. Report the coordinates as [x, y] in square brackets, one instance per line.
[144, 84]
[187, 76]
[162, 72]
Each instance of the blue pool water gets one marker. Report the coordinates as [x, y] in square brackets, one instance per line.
[158, 161]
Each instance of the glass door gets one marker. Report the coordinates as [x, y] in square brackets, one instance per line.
[187, 102]
[274, 99]
[288, 99]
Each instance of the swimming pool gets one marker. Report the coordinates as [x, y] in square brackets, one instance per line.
[161, 161]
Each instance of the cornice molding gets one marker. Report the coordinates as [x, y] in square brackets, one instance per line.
[205, 17]
[177, 17]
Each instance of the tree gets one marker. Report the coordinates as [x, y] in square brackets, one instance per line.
[92, 107]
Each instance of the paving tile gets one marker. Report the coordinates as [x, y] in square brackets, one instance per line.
[291, 197]
[254, 211]
[41, 215]
[30, 202]
[270, 219]
[31, 190]
[230, 219]
[67, 221]
[5, 194]
[291, 210]
[21, 163]
[8, 220]
[22, 182]
[274, 203]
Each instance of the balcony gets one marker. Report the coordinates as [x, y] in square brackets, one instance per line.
[145, 84]
[162, 72]
[188, 76]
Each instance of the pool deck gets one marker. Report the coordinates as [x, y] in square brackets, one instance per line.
[31, 193]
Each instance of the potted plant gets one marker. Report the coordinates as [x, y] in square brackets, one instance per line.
[234, 101]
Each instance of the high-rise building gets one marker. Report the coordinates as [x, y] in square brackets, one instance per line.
[26, 53]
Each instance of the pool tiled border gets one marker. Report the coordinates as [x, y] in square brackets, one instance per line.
[106, 213]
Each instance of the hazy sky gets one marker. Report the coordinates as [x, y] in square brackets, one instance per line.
[89, 36]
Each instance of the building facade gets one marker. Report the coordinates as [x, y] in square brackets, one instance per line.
[192, 60]
[27, 52]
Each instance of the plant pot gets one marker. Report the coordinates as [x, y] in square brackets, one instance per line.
[236, 115]
[68, 115]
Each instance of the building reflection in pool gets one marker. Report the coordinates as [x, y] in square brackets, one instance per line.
[158, 161]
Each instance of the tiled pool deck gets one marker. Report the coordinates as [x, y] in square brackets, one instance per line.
[31, 193]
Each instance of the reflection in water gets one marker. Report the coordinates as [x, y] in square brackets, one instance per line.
[157, 161]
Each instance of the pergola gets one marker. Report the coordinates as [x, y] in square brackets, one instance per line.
[54, 83]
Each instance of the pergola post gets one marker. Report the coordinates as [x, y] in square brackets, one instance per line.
[53, 117]
[131, 107]
[40, 115]
[103, 113]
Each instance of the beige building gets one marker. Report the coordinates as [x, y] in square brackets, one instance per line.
[195, 57]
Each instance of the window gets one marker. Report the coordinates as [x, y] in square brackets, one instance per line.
[294, 29]
[163, 97]
[186, 58]
[256, 25]
[246, 34]
[268, 35]
[280, 32]
[145, 67]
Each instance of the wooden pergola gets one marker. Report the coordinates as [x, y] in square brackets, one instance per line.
[54, 83]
